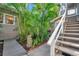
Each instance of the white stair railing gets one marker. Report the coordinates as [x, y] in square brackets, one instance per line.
[52, 40]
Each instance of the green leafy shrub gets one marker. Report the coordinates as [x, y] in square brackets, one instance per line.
[35, 21]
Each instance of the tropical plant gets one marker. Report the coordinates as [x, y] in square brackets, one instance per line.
[36, 21]
[43, 13]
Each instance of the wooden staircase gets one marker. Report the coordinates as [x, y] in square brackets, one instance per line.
[67, 43]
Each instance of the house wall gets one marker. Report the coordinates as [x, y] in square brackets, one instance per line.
[77, 8]
[75, 16]
[78, 11]
[8, 31]
[71, 19]
[78, 18]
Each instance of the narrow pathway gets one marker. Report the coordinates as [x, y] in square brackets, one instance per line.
[13, 48]
[43, 50]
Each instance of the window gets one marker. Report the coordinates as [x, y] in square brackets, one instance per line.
[72, 11]
[9, 19]
[1, 18]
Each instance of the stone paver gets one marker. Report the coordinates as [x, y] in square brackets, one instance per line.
[43, 50]
[13, 48]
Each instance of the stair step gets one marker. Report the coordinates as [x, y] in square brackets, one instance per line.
[69, 38]
[69, 43]
[71, 28]
[68, 50]
[71, 22]
[72, 25]
[71, 34]
[72, 31]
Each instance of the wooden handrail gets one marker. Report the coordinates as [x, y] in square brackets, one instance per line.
[55, 19]
[55, 31]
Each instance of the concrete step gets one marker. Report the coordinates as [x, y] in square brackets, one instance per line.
[68, 43]
[70, 34]
[77, 34]
[71, 31]
[72, 25]
[68, 50]
[71, 22]
[69, 38]
[71, 28]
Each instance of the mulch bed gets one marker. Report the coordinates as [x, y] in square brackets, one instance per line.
[29, 49]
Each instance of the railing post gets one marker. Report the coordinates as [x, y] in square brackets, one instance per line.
[52, 50]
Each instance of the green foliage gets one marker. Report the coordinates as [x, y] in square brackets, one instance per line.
[35, 22]
[43, 13]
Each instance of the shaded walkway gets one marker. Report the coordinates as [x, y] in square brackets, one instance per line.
[43, 50]
[13, 48]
